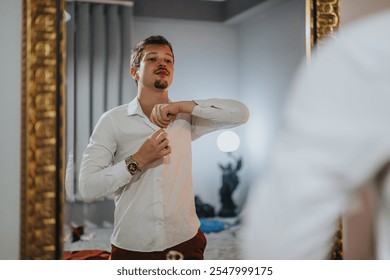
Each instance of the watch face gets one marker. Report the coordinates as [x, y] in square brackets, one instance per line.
[132, 167]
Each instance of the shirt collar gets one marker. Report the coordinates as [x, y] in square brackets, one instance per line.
[134, 108]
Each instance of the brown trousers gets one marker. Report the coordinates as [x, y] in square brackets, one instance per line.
[192, 249]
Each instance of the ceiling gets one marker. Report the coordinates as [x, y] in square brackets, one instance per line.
[206, 10]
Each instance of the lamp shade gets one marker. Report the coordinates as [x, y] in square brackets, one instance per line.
[228, 141]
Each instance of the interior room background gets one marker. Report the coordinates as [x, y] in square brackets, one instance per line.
[251, 57]
[212, 59]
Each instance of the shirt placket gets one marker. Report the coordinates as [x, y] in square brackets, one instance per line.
[159, 206]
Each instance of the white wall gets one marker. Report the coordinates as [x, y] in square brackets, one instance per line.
[272, 46]
[10, 81]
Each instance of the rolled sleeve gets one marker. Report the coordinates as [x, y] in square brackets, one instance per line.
[213, 114]
[222, 110]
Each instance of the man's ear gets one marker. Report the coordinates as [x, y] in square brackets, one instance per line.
[134, 73]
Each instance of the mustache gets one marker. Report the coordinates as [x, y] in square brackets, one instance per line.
[160, 69]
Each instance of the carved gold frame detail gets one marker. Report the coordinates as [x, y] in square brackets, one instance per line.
[42, 147]
[43, 121]
[324, 19]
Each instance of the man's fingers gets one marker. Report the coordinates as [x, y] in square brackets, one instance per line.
[161, 116]
[164, 143]
[166, 150]
[159, 122]
[161, 136]
[156, 133]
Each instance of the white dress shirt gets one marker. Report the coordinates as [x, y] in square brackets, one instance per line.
[335, 137]
[154, 210]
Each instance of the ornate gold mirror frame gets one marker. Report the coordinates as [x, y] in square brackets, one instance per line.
[43, 134]
[43, 120]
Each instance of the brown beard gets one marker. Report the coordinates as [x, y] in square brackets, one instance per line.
[160, 85]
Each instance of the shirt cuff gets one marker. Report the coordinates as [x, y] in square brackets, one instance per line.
[121, 173]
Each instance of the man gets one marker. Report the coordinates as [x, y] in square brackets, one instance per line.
[141, 153]
[335, 140]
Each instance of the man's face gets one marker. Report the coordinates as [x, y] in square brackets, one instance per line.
[156, 67]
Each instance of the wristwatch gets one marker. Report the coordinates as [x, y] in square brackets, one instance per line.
[132, 166]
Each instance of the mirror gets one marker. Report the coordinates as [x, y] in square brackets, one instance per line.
[43, 115]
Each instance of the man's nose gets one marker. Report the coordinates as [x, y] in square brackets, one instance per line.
[162, 63]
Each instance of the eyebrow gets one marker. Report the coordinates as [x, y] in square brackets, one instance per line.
[150, 53]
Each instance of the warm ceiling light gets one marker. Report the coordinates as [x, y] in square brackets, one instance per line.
[228, 141]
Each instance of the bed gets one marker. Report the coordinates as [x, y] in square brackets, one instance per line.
[94, 243]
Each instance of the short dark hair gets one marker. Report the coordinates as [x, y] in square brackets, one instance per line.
[152, 40]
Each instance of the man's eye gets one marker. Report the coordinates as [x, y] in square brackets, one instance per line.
[151, 59]
[168, 61]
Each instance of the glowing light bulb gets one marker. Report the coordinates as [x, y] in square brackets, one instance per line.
[228, 141]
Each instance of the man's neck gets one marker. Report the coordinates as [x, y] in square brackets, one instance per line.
[149, 98]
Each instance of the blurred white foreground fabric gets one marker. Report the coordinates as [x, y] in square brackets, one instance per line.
[334, 139]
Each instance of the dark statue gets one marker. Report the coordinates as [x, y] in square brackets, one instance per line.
[229, 184]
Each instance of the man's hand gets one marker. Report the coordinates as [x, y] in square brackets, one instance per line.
[163, 114]
[154, 148]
